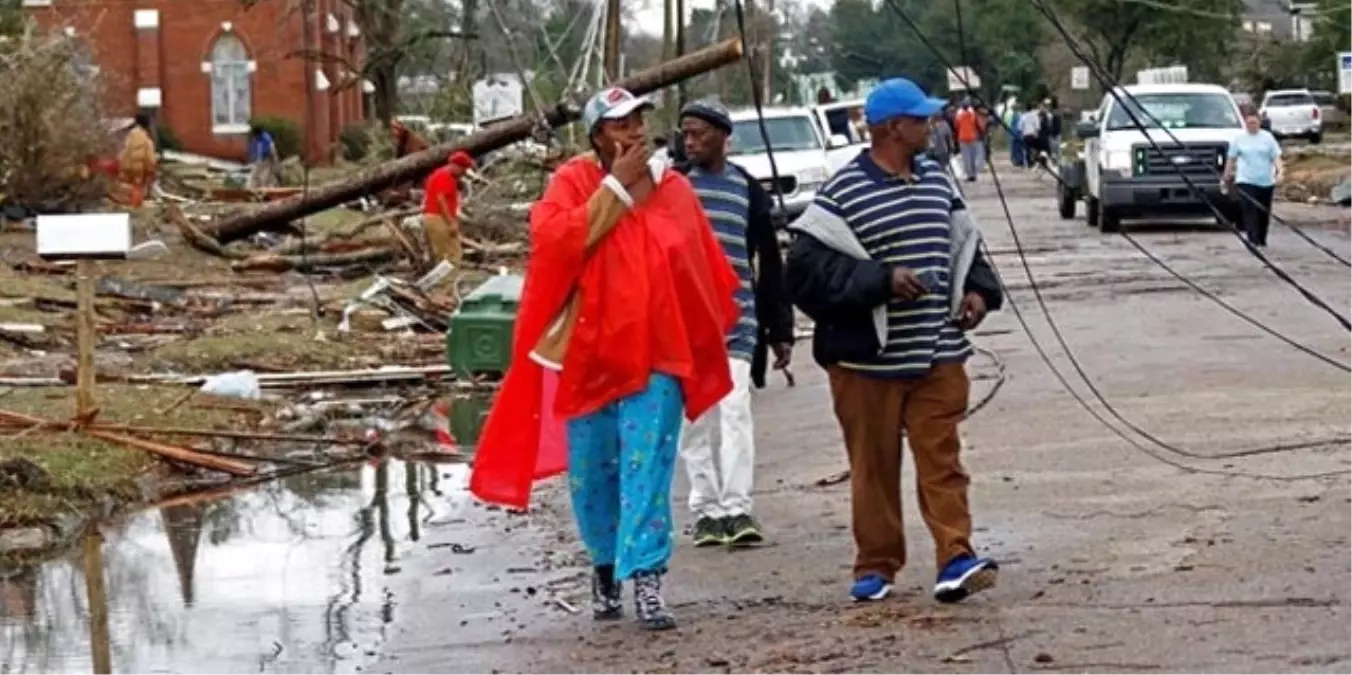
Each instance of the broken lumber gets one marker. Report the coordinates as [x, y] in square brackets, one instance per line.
[413, 167]
[170, 452]
[268, 262]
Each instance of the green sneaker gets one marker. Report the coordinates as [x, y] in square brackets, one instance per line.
[743, 530]
[710, 532]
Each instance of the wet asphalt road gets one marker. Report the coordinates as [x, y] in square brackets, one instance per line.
[1113, 560]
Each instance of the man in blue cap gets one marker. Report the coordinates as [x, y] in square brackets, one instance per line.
[886, 261]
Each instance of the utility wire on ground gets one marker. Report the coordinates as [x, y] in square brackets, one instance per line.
[1046, 359]
[1118, 95]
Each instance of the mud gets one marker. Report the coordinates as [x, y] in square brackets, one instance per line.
[1113, 559]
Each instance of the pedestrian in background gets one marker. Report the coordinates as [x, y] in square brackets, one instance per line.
[441, 208]
[1009, 118]
[1056, 121]
[138, 163]
[1044, 132]
[970, 131]
[720, 447]
[990, 121]
[1030, 125]
[264, 165]
[887, 262]
[942, 146]
[622, 328]
[1254, 167]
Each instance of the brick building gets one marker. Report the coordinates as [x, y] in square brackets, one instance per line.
[204, 68]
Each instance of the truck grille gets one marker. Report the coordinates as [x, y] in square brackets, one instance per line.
[787, 185]
[1202, 160]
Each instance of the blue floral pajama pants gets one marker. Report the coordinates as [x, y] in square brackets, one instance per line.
[620, 464]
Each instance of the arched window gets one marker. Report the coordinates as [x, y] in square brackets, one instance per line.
[230, 88]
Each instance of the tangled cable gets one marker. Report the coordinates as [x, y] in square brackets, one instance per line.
[1065, 383]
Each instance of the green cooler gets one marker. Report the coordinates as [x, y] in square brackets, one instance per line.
[479, 341]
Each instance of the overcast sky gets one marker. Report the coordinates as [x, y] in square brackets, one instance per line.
[649, 12]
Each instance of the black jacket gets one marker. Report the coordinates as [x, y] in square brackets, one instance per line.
[774, 311]
[839, 292]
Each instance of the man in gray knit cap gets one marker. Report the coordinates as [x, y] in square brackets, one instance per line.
[739, 210]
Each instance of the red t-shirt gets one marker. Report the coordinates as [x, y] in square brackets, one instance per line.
[441, 184]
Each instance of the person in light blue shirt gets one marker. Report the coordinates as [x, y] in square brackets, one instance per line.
[1254, 168]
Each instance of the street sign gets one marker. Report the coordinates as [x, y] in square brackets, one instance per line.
[1079, 77]
[963, 78]
[1345, 73]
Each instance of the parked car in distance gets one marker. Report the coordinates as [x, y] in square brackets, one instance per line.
[799, 154]
[1293, 113]
[844, 140]
[1328, 107]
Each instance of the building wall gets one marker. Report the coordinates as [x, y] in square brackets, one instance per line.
[156, 55]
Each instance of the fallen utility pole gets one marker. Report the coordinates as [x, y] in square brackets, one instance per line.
[417, 165]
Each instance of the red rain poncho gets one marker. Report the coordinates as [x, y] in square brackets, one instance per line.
[656, 296]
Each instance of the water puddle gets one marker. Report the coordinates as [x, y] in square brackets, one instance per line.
[295, 576]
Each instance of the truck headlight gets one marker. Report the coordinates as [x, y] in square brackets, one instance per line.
[1117, 160]
[812, 178]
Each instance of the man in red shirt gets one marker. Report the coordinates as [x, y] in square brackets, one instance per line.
[969, 129]
[441, 208]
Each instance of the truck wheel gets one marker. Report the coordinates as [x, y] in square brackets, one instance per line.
[1108, 220]
[1091, 211]
[1316, 137]
[1066, 200]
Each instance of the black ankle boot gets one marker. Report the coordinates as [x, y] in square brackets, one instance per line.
[652, 611]
[606, 603]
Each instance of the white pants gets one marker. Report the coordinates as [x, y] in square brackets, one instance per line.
[720, 452]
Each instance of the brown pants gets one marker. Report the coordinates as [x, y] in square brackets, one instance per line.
[872, 413]
[444, 238]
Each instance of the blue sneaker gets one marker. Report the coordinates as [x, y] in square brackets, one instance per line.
[963, 576]
[870, 587]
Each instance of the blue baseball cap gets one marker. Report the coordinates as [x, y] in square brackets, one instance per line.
[899, 97]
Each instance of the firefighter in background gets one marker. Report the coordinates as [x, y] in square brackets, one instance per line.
[441, 208]
[138, 164]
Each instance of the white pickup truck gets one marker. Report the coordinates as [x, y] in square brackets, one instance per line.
[799, 152]
[1121, 174]
[844, 138]
[1290, 113]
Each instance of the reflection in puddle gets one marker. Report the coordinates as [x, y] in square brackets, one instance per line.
[290, 577]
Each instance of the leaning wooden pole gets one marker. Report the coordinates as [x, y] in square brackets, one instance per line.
[417, 165]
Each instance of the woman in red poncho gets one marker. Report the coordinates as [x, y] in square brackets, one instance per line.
[620, 332]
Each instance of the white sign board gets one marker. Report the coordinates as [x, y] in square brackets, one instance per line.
[1345, 73]
[84, 235]
[1079, 77]
[963, 78]
[496, 97]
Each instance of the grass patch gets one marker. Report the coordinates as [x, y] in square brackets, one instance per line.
[280, 341]
[79, 471]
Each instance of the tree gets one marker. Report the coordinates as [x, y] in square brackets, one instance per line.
[12, 19]
[995, 41]
[1114, 31]
[388, 38]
